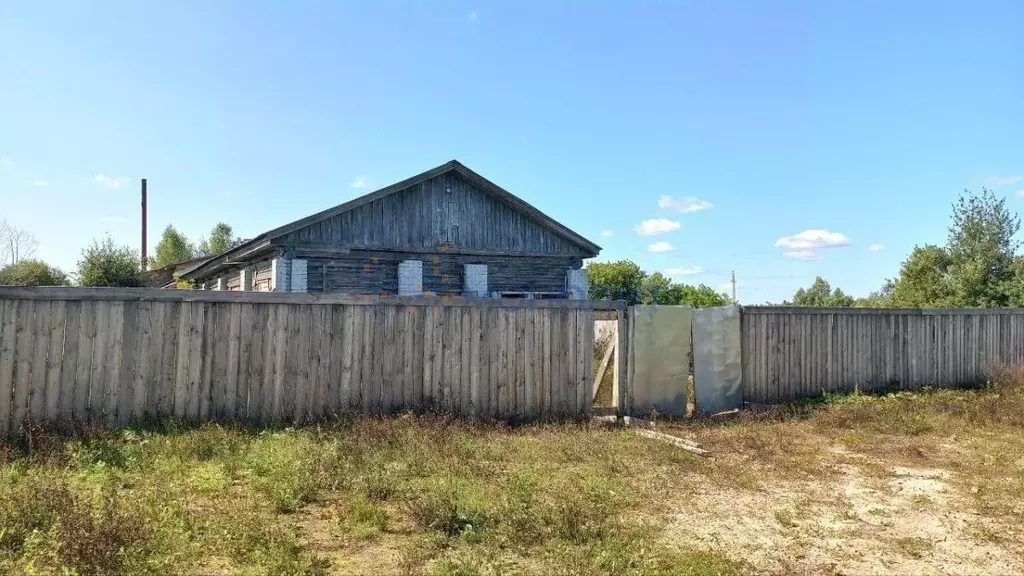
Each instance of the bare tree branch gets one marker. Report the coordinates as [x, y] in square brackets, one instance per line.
[16, 244]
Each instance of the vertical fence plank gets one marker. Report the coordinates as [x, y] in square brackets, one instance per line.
[119, 375]
[8, 335]
[139, 340]
[463, 404]
[349, 357]
[181, 359]
[200, 324]
[409, 355]
[234, 347]
[529, 364]
[323, 375]
[55, 360]
[83, 370]
[23, 362]
[388, 355]
[367, 360]
[162, 332]
[334, 395]
[40, 349]
[377, 333]
[250, 364]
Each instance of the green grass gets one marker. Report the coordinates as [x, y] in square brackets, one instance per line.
[429, 495]
[426, 495]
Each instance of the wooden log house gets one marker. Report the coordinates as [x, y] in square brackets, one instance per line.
[445, 231]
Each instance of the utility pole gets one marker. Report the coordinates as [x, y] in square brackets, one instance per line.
[143, 262]
[733, 282]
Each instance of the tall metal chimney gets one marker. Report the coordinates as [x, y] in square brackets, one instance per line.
[143, 224]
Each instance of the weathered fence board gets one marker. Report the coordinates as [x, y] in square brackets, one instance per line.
[790, 353]
[117, 356]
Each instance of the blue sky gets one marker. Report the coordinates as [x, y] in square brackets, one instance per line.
[859, 120]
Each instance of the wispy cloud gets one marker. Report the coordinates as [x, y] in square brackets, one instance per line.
[655, 226]
[473, 16]
[607, 233]
[6, 162]
[1003, 180]
[113, 219]
[684, 204]
[682, 271]
[876, 247]
[110, 181]
[660, 247]
[359, 182]
[806, 255]
[39, 183]
[1020, 193]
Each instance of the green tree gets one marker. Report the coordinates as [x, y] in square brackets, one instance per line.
[700, 296]
[173, 247]
[924, 280]
[981, 248]
[821, 295]
[32, 273]
[620, 280]
[655, 289]
[106, 264]
[222, 238]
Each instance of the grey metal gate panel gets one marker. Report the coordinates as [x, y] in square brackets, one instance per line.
[717, 359]
[659, 359]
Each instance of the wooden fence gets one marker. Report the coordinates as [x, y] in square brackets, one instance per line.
[115, 355]
[790, 353]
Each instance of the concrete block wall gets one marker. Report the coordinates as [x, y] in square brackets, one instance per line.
[577, 284]
[299, 276]
[410, 277]
[474, 280]
[280, 275]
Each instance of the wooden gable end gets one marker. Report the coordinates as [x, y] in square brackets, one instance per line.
[444, 211]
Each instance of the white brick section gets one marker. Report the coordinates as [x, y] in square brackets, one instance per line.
[219, 285]
[280, 275]
[410, 277]
[245, 278]
[577, 284]
[298, 276]
[474, 280]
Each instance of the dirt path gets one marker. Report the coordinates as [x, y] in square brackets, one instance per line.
[866, 518]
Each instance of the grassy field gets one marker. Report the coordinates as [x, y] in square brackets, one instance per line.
[904, 483]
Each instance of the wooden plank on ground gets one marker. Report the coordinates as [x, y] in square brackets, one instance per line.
[55, 361]
[8, 335]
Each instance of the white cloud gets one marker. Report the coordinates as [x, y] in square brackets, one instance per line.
[110, 181]
[876, 247]
[607, 233]
[684, 204]
[39, 183]
[655, 226]
[113, 219]
[682, 271]
[1020, 193]
[812, 239]
[1003, 180]
[473, 16]
[359, 182]
[805, 255]
[660, 247]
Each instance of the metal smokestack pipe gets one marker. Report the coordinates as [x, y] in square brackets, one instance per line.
[143, 224]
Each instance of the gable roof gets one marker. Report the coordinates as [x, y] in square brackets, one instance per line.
[263, 240]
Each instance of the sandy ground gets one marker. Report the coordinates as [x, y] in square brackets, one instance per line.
[891, 520]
